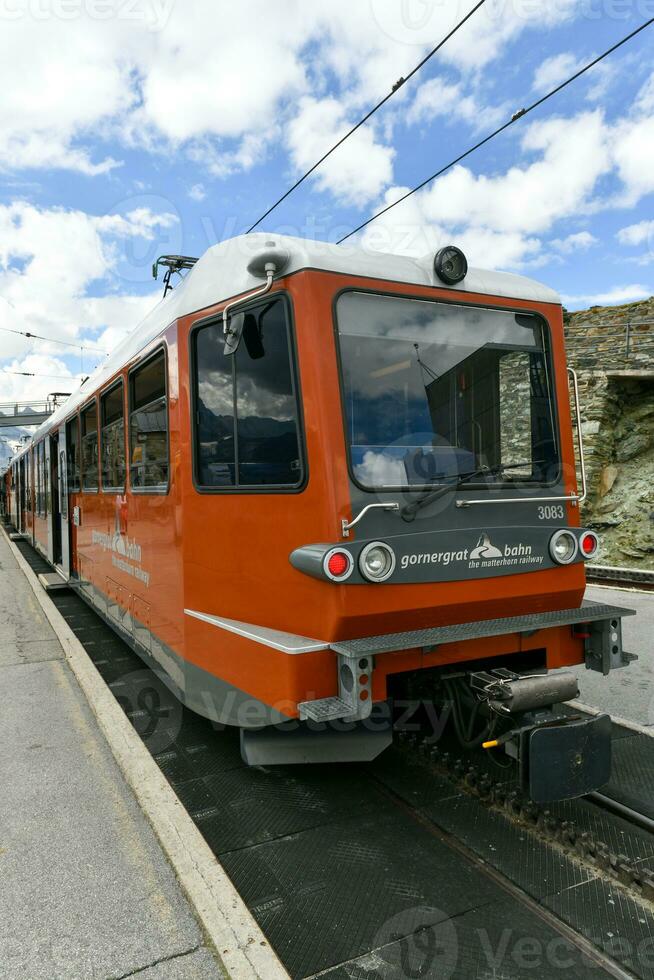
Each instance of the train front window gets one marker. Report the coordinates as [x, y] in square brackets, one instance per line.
[435, 392]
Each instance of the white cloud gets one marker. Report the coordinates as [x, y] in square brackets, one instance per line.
[555, 70]
[572, 155]
[497, 217]
[636, 234]
[577, 242]
[407, 230]
[619, 294]
[51, 264]
[357, 171]
[34, 376]
[440, 98]
[633, 152]
[220, 72]
[197, 192]
[563, 173]
[59, 78]
[645, 99]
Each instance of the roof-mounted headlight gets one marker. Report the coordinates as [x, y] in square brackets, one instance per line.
[450, 265]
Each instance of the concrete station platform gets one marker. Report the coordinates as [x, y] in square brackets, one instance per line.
[86, 891]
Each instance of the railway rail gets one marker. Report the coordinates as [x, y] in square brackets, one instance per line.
[636, 578]
[454, 857]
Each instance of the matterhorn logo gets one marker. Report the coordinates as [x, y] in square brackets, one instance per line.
[485, 549]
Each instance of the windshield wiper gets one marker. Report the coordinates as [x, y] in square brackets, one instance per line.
[410, 510]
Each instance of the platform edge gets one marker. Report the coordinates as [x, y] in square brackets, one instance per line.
[633, 726]
[230, 927]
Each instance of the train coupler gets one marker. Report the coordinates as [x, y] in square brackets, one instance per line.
[560, 755]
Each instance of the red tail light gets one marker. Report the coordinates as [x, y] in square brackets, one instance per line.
[589, 544]
[338, 565]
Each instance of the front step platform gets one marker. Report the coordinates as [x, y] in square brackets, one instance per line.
[325, 709]
[52, 581]
[16, 536]
[391, 642]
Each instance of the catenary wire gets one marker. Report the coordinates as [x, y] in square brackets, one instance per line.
[32, 374]
[516, 116]
[398, 85]
[51, 340]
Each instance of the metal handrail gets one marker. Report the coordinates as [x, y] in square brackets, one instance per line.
[346, 526]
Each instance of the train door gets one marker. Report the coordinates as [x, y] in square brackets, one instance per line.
[14, 495]
[21, 522]
[54, 523]
[47, 496]
[64, 506]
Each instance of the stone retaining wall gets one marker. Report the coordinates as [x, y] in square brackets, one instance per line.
[616, 382]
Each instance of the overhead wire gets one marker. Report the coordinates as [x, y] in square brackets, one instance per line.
[34, 374]
[51, 340]
[514, 118]
[401, 82]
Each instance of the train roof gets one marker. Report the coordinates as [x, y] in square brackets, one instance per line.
[222, 272]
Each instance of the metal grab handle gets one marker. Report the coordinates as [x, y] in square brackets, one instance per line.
[575, 499]
[346, 526]
[582, 462]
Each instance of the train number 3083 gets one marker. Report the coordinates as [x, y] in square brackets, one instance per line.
[552, 513]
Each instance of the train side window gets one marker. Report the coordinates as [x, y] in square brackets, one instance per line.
[43, 480]
[89, 445]
[72, 454]
[113, 438]
[247, 414]
[148, 426]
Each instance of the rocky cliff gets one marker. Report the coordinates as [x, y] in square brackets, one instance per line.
[612, 349]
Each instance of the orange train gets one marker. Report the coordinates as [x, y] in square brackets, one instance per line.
[313, 472]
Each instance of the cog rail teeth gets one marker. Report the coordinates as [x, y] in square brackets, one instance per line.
[637, 880]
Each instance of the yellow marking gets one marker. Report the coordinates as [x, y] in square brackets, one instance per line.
[490, 745]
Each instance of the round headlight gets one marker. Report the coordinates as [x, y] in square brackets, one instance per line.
[563, 547]
[450, 265]
[377, 561]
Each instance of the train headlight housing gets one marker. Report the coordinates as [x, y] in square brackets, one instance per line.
[377, 561]
[450, 265]
[338, 564]
[589, 544]
[563, 547]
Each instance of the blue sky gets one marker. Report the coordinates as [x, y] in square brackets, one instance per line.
[134, 127]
